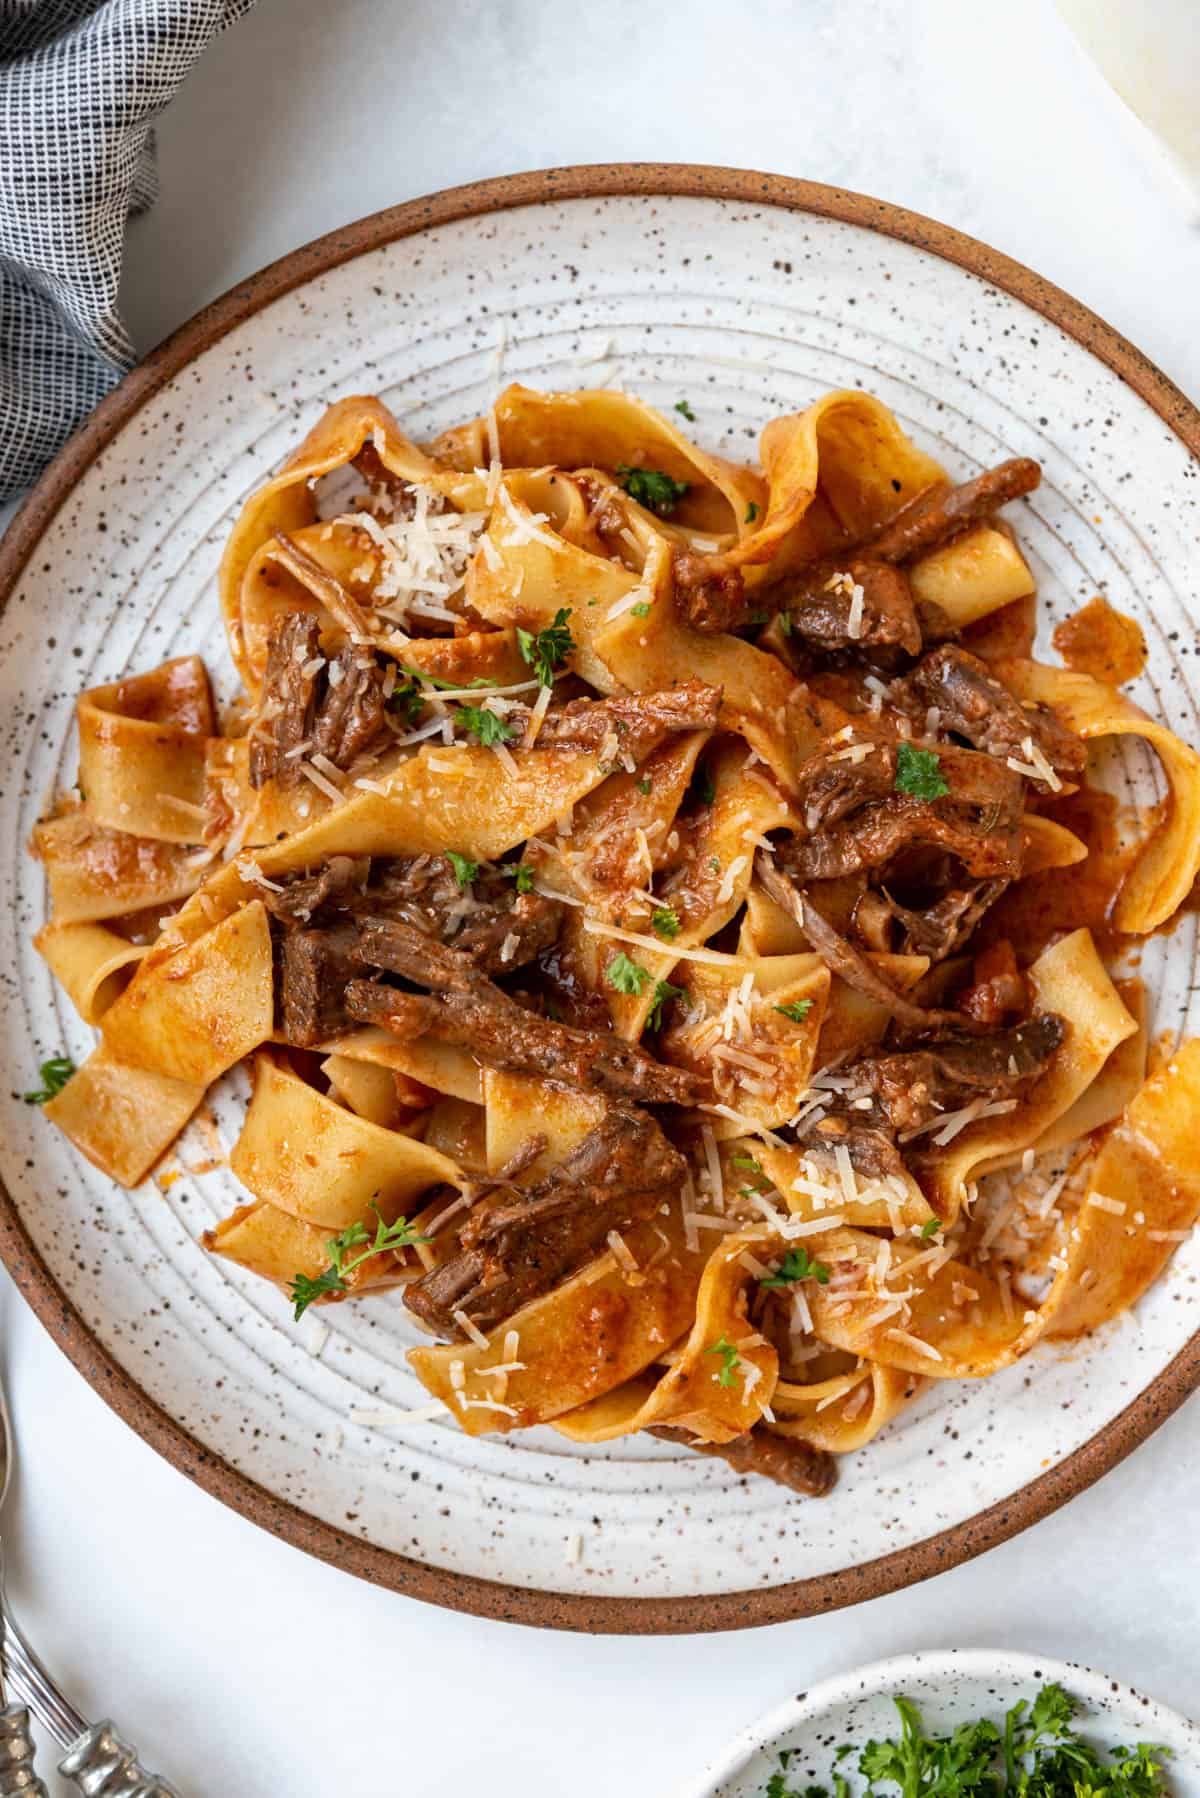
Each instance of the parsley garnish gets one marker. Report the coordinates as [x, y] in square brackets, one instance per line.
[486, 727]
[626, 976]
[798, 1010]
[785, 623]
[702, 780]
[751, 512]
[641, 610]
[930, 1228]
[444, 686]
[664, 993]
[730, 1360]
[1037, 1756]
[797, 1266]
[547, 649]
[644, 785]
[747, 1161]
[464, 869]
[919, 772]
[650, 487]
[407, 699]
[665, 922]
[55, 1073]
[685, 411]
[522, 873]
[303, 1289]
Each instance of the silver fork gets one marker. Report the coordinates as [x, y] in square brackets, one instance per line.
[100, 1763]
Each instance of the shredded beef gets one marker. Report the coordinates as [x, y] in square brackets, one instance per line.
[312, 970]
[285, 717]
[350, 717]
[516, 1246]
[631, 725]
[913, 1088]
[710, 594]
[786, 1459]
[469, 1009]
[943, 513]
[975, 705]
[819, 611]
[856, 820]
[939, 929]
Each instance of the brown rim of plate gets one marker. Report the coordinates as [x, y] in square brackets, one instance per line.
[487, 1598]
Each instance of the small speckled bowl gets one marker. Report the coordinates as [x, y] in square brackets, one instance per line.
[949, 1686]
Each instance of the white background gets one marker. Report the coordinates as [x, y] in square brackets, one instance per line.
[243, 1668]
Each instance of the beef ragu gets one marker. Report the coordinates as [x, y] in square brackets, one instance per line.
[621, 892]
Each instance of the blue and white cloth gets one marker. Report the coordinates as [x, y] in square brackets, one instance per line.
[81, 83]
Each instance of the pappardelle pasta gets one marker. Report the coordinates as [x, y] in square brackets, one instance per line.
[651, 895]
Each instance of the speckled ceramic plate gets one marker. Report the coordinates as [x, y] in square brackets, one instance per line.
[949, 1687]
[750, 296]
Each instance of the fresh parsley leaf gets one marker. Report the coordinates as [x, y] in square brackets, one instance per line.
[398, 1235]
[797, 1266]
[626, 976]
[486, 727]
[641, 610]
[55, 1073]
[664, 994]
[919, 773]
[785, 623]
[644, 785]
[465, 870]
[746, 1161]
[751, 512]
[547, 649]
[685, 411]
[665, 922]
[930, 1227]
[522, 873]
[650, 487]
[702, 780]
[407, 699]
[756, 618]
[730, 1359]
[798, 1010]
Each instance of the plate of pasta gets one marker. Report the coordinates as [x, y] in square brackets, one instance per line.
[603, 895]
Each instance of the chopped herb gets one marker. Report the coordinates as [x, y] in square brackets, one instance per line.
[651, 488]
[702, 780]
[797, 1010]
[730, 1360]
[1038, 1755]
[919, 772]
[304, 1289]
[486, 727]
[751, 512]
[714, 864]
[547, 649]
[407, 699]
[522, 873]
[55, 1073]
[464, 869]
[930, 1228]
[644, 785]
[797, 1266]
[665, 922]
[685, 411]
[756, 618]
[747, 1161]
[664, 994]
[641, 610]
[626, 976]
[785, 623]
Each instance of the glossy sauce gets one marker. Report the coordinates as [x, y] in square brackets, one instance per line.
[1102, 642]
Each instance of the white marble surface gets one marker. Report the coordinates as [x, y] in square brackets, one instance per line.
[242, 1667]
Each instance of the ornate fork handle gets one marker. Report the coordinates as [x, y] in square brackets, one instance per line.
[100, 1763]
[17, 1777]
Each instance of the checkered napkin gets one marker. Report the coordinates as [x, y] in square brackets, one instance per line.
[81, 82]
